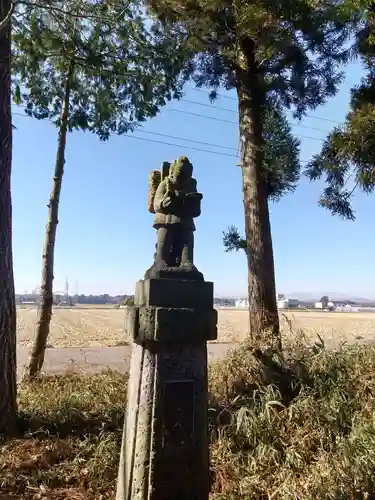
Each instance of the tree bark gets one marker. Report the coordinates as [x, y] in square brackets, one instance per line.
[46, 292]
[8, 366]
[264, 319]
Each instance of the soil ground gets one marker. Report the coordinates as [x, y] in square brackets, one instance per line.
[104, 326]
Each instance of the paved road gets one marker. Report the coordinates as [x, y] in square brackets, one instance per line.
[97, 359]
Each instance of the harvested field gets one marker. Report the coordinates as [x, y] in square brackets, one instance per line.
[83, 327]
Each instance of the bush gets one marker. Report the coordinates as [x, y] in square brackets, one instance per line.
[295, 425]
[129, 301]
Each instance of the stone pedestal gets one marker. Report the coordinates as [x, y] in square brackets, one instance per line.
[164, 453]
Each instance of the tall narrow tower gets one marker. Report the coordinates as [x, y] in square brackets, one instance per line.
[66, 289]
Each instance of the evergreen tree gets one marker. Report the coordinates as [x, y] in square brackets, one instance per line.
[287, 51]
[281, 167]
[8, 366]
[324, 300]
[85, 65]
[347, 158]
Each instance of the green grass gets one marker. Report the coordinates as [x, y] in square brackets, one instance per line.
[294, 426]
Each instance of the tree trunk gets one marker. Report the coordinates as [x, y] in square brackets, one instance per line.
[46, 292]
[264, 319]
[8, 367]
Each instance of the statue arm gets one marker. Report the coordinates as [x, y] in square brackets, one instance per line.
[194, 209]
[159, 196]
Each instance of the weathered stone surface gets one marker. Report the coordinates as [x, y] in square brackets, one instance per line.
[133, 478]
[185, 325]
[180, 447]
[131, 322]
[165, 448]
[174, 293]
[140, 298]
[176, 325]
[164, 453]
[174, 199]
[146, 324]
[176, 273]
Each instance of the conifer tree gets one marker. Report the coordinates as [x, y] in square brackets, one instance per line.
[288, 52]
[8, 367]
[281, 164]
[347, 158]
[88, 65]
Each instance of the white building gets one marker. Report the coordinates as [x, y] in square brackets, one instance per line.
[319, 305]
[347, 308]
[242, 304]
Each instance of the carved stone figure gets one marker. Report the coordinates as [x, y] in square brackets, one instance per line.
[174, 199]
[165, 443]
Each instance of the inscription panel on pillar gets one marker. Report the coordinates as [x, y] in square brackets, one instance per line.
[178, 414]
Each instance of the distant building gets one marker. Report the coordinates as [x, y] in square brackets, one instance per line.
[288, 303]
[347, 308]
[27, 300]
[242, 304]
[293, 303]
[320, 305]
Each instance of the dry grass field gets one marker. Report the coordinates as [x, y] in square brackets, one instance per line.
[83, 327]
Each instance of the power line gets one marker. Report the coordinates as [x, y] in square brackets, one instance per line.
[163, 142]
[236, 112]
[203, 116]
[185, 139]
[235, 99]
[236, 123]
[301, 125]
[217, 93]
[161, 135]
[199, 115]
[209, 105]
[167, 143]
[132, 136]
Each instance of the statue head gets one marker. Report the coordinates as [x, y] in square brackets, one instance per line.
[181, 171]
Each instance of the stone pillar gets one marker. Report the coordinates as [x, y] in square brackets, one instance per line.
[164, 453]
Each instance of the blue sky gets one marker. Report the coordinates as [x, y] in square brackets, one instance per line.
[105, 239]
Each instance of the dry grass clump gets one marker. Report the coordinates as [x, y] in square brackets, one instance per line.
[292, 425]
[296, 426]
[69, 442]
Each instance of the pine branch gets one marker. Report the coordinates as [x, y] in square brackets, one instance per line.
[71, 13]
[233, 241]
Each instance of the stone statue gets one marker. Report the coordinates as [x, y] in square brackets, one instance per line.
[165, 442]
[174, 200]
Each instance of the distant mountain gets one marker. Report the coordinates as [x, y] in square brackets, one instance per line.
[311, 297]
